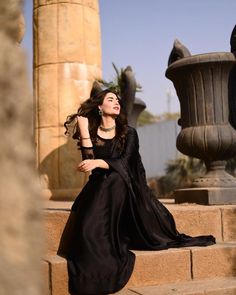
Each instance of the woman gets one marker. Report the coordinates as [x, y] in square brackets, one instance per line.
[115, 210]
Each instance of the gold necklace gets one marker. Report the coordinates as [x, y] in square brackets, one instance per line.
[107, 129]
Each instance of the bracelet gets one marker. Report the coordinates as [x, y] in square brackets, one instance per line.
[84, 137]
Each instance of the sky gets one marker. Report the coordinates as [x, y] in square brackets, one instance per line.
[141, 34]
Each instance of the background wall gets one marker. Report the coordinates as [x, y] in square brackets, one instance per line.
[158, 146]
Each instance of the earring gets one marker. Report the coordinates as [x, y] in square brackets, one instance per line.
[100, 112]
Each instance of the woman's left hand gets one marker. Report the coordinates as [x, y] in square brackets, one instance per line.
[87, 165]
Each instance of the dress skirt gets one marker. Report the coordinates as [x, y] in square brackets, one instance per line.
[108, 223]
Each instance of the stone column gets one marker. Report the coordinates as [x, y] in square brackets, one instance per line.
[20, 193]
[67, 58]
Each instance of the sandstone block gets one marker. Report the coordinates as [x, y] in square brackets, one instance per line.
[49, 155]
[54, 223]
[159, 267]
[47, 96]
[92, 37]
[151, 268]
[79, 71]
[46, 32]
[59, 276]
[49, 138]
[92, 4]
[60, 89]
[197, 220]
[70, 33]
[67, 33]
[225, 291]
[228, 222]
[50, 2]
[69, 158]
[71, 88]
[214, 261]
[220, 286]
[59, 159]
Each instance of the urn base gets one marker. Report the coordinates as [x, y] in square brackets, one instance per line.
[206, 196]
[215, 178]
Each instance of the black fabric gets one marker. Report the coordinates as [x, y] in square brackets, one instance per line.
[115, 212]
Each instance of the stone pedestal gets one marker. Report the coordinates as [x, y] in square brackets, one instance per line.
[67, 59]
[206, 196]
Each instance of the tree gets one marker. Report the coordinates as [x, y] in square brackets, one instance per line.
[181, 172]
[146, 117]
[117, 82]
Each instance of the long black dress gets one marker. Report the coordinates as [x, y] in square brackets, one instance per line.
[116, 211]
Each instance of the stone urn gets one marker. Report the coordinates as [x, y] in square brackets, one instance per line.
[201, 83]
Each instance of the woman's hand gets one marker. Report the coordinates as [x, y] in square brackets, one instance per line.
[88, 165]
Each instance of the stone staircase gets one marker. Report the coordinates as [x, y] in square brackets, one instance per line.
[186, 271]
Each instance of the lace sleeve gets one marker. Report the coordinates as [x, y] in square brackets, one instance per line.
[87, 152]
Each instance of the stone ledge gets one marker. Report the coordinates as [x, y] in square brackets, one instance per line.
[220, 286]
[190, 219]
[152, 267]
[166, 270]
[215, 261]
[162, 267]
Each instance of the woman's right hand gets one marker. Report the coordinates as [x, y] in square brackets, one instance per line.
[83, 124]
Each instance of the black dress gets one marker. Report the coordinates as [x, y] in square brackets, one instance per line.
[116, 211]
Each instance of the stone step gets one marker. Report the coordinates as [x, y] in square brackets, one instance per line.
[159, 267]
[190, 219]
[219, 286]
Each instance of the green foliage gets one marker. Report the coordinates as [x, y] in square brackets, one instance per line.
[117, 83]
[146, 117]
[231, 166]
[181, 172]
[168, 116]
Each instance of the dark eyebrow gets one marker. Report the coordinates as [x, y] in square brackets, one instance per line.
[111, 97]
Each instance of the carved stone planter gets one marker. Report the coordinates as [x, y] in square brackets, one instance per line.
[201, 82]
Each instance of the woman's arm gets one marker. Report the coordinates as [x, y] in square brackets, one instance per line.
[84, 132]
[89, 162]
[86, 145]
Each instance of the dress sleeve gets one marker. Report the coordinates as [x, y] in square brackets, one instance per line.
[129, 154]
[87, 152]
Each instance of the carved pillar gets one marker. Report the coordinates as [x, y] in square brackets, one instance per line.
[67, 58]
[201, 82]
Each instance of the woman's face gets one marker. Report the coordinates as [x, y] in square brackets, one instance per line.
[110, 105]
